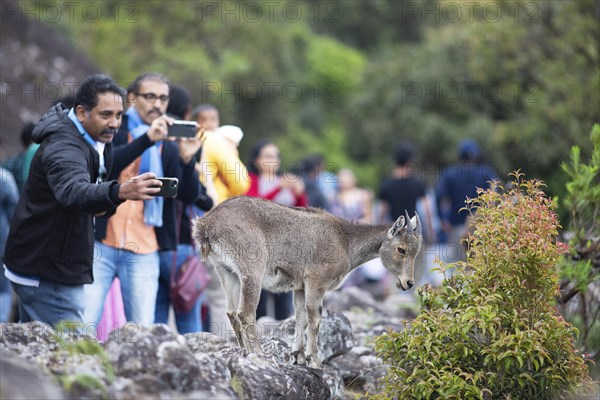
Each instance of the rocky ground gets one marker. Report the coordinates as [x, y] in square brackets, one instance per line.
[155, 362]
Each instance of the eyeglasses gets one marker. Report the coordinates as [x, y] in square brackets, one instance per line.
[153, 96]
[102, 174]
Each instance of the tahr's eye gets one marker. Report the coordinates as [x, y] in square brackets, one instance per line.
[401, 251]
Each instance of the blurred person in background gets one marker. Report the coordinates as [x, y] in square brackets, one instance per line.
[459, 181]
[9, 196]
[351, 202]
[224, 175]
[207, 116]
[187, 322]
[401, 192]
[220, 167]
[288, 190]
[355, 204]
[311, 168]
[19, 165]
[128, 242]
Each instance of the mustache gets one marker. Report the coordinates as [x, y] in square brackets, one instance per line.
[155, 110]
[111, 131]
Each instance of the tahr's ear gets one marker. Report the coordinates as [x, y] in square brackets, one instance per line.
[398, 225]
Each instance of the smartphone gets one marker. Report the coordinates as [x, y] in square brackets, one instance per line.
[185, 129]
[168, 188]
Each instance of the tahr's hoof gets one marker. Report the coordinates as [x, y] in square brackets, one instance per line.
[299, 358]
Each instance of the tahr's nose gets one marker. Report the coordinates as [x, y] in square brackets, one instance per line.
[410, 283]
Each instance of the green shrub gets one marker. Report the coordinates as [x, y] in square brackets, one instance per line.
[580, 268]
[492, 331]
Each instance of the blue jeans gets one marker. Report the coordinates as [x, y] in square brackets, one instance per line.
[50, 302]
[138, 274]
[5, 297]
[186, 322]
[284, 306]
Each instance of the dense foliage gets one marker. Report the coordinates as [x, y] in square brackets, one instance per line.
[580, 268]
[351, 78]
[492, 329]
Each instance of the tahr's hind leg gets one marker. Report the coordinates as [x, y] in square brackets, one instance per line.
[250, 294]
[314, 306]
[231, 286]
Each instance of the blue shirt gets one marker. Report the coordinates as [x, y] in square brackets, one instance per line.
[460, 181]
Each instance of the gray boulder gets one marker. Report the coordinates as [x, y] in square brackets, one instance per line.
[335, 334]
[204, 342]
[23, 380]
[154, 356]
[33, 341]
[255, 377]
[359, 372]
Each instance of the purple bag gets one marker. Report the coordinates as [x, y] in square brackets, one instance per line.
[187, 284]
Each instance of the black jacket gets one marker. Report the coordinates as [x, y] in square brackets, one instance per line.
[51, 232]
[189, 185]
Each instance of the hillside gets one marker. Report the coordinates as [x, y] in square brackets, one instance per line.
[37, 67]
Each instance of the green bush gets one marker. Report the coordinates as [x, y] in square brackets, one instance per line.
[580, 268]
[492, 331]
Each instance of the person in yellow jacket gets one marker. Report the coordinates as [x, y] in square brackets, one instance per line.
[220, 168]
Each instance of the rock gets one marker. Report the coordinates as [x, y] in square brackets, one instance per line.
[83, 376]
[278, 349]
[257, 377]
[35, 55]
[156, 352]
[143, 387]
[335, 334]
[403, 305]
[33, 341]
[352, 297]
[359, 372]
[25, 380]
[204, 342]
[156, 363]
[215, 375]
[334, 381]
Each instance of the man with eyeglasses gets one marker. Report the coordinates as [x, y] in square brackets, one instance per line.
[48, 256]
[128, 242]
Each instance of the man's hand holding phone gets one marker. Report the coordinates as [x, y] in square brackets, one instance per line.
[147, 186]
[141, 187]
[188, 135]
[159, 128]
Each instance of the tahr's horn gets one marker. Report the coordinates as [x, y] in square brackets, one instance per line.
[408, 226]
[418, 228]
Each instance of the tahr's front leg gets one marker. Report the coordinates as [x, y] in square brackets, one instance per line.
[301, 322]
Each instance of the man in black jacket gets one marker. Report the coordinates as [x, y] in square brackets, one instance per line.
[128, 241]
[49, 250]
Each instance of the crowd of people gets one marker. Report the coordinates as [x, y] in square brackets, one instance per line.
[90, 242]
